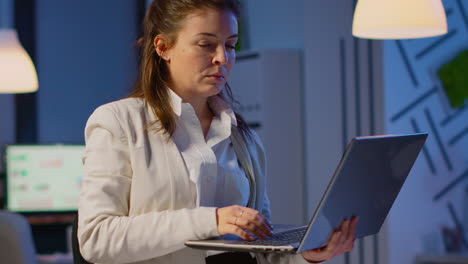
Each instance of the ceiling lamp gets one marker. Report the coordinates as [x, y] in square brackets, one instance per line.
[399, 19]
[17, 72]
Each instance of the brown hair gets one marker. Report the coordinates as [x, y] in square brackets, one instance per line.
[165, 17]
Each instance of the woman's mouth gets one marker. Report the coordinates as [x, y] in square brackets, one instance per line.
[217, 78]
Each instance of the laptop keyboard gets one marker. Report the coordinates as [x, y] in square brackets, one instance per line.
[283, 238]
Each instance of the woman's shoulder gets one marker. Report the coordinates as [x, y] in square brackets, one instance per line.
[125, 118]
[123, 113]
[123, 110]
[123, 106]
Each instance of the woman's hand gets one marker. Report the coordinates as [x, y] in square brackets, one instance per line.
[341, 241]
[237, 219]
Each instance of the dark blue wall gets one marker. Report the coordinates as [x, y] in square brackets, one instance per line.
[435, 194]
[85, 57]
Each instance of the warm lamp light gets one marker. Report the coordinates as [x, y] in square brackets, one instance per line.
[17, 72]
[399, 19]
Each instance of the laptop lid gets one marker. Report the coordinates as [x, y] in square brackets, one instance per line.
[365, 184]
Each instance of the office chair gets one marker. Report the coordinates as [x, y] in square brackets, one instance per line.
[77, 257]
[16, 244]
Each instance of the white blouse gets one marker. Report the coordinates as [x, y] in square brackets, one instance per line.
[144, 194]
[211, 161]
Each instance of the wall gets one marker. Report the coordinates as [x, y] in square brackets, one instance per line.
[7, 131]
[6, 14]
[85, 58]
[433, 196]
[272, 24]
[7, 122]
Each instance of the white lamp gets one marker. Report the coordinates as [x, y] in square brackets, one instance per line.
[399, 19]
[17, 72]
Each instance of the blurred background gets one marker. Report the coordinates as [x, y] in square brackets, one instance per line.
[305, 84]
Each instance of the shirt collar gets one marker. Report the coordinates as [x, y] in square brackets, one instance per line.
[176, 102]
[217, 105]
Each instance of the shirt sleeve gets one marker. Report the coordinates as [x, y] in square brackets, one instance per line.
[106, 232]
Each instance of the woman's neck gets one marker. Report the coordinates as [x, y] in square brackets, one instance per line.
[201, 107]
[204, 114]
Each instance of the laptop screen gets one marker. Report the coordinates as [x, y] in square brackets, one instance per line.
[43, 178]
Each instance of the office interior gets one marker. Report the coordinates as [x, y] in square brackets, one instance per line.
[305, 84]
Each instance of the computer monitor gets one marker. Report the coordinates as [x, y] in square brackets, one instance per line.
[43, 178]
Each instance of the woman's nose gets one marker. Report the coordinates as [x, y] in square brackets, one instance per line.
[220, 56]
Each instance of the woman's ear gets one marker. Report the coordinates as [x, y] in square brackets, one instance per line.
[161, 46]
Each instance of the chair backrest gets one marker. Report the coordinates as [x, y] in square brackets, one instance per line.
[77, 257]
[16, 244]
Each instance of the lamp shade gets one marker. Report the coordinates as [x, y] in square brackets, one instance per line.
[399, 19]
[17, 72]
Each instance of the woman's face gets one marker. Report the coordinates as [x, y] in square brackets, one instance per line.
[202, 56]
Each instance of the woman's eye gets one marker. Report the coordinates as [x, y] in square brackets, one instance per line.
[231, 47]
[204, 45]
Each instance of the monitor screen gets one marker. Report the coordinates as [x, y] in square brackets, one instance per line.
[43, 178]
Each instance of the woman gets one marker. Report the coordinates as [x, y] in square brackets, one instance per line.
[161, 166]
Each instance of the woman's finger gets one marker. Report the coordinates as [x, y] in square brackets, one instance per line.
[325, 253]
[350, 246]
[256, 214]
[235, 230]
[244, 218]
[333, 244]
[348, 229]
[341, 241]
[338, 247]
[345, 229]
[352, 233]
[353, 227]
[252, 228]
[258, 221]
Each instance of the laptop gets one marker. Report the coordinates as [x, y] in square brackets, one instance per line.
[365, 184]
